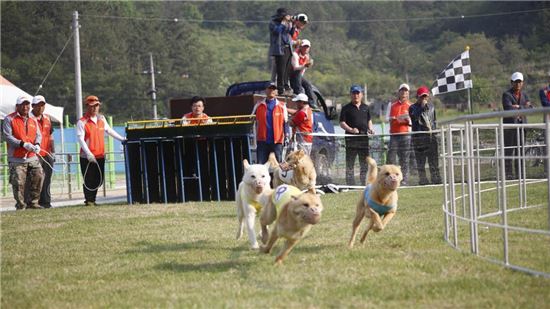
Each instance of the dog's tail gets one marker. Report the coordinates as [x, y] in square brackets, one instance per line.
[372, 173]
[272, 160]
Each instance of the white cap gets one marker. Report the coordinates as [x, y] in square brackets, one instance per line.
[516, 76]
[37, 99]
[306, 43]
[302, 17]
[404, 86]
[300, 97]
[23, 98]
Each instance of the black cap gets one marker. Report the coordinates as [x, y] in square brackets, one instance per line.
[281, 12]
[271, 85]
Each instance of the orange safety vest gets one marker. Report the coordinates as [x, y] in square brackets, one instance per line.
[45, 125]
[305, 126]
[94, 135]
[24, 129]
[198, 120]
[399, 108]
[278, 122]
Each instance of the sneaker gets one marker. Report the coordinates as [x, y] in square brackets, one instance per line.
[35, 207]
[88, 203]
[422, 182]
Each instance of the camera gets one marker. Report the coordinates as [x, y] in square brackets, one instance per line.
[300, 17]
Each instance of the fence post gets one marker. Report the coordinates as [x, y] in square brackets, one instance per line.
[111, 155]
[383, 143]
[5, 170]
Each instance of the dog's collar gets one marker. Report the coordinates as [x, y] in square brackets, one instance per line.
[379, 208]
[251, 202]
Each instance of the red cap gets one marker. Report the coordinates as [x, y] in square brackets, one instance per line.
[423, 90]
[92, 100]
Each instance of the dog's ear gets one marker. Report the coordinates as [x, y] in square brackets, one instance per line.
[245, 164]
[311, 190]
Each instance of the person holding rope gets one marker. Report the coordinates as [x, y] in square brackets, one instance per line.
[90, 131]
[355, 119]
[47, 151]
[23, 138]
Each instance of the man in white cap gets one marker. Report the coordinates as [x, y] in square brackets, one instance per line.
[47, 151]
[23, 137]
[514, 99]
[400, 126]
[302, 123]
[301, 61]
[90, 130]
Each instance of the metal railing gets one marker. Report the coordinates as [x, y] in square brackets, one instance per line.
[501, 216]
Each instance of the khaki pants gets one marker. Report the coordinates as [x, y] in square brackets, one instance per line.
[26, 180]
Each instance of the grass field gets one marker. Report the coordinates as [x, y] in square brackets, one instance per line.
[186, 256]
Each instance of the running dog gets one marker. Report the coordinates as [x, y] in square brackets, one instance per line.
[297, 170]
[254, 191]
[294, 213]
[378, 201]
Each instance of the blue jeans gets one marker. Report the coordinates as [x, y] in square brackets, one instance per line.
[400, 146]
[264, 149]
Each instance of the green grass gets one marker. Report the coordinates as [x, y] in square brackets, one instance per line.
[186, 256]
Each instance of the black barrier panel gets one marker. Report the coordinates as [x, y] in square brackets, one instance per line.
[186, 168]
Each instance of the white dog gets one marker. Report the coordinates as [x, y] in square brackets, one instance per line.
[254, 191]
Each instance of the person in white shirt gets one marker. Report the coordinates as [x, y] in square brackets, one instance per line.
[90, 130]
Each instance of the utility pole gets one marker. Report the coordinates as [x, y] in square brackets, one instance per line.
[153, 90]
[77, 75]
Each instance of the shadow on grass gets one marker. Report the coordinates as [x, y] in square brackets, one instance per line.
[148, 247]
[213, 267]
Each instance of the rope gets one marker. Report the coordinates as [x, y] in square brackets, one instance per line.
[54, 63]
[175, 20]
[100, 176]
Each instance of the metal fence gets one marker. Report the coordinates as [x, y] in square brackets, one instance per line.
[67, 177]
[489, 211]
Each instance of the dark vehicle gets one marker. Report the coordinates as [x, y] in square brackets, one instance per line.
[324, 148]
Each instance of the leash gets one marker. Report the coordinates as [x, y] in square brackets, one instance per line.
[100, 176]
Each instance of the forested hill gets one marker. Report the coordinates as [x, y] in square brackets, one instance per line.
[203, 47]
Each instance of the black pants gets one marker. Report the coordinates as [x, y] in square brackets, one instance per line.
[356, 147]
[282, 64]
[93, 178]
[45, 196]
[425, 149]
[513, 147]
[301, 85]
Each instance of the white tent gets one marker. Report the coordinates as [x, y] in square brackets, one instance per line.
[9, 94]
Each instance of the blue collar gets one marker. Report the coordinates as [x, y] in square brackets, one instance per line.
[379, 208]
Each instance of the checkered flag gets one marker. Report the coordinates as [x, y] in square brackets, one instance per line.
[456, 76]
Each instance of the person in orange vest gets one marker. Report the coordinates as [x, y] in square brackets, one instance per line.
[197, 115]
[400, 126]
[271, 117]
[23, 138]
[302, 122]
[90, 130]
[47, 151]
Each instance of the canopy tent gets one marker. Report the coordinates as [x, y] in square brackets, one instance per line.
[9, 94]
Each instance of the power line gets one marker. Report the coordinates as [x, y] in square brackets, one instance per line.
[53, 64]
[336, 21]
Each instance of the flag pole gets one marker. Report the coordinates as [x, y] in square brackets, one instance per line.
[469, 100]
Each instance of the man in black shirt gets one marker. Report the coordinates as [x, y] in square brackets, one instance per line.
[356, 121]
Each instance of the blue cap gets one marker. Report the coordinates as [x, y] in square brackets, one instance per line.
[355, 88]
[271, 85]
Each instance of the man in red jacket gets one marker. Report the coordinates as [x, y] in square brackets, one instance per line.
[46, 154]
[271, 117]
[23, 138]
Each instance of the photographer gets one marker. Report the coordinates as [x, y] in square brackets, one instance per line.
[279, 45]
[355, 119]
